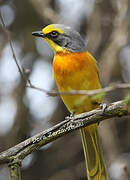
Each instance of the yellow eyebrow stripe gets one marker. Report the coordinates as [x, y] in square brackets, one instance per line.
[51, 28]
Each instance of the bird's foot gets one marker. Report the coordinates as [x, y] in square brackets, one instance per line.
[103, 107]
[71, 116]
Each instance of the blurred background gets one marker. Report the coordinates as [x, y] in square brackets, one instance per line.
[105, 26]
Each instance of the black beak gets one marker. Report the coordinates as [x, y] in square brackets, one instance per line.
[38, 33]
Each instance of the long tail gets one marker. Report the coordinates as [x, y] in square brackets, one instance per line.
[93, 155]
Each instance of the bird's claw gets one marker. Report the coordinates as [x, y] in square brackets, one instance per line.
[71, 116]
[103, 107]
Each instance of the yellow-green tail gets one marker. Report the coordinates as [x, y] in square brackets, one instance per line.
[93, 155]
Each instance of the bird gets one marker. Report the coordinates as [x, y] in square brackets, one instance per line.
[74, 68]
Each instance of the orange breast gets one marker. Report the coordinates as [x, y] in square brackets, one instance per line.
[76, 71]
[67, 63]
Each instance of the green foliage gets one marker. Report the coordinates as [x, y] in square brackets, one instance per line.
[98, 96]
[127, 99]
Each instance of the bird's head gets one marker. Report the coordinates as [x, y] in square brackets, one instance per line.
[61, 37]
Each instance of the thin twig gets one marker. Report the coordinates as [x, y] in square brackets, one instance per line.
[83, 92]
[11, 46]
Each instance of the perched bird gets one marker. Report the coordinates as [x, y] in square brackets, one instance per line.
[74, 68]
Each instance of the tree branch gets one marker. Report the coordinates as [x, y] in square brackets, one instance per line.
[17, 153]
[15, 172]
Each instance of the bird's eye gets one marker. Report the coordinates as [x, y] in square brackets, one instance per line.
[54, 34]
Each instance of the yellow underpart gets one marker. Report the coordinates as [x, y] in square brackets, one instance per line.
[78, 71]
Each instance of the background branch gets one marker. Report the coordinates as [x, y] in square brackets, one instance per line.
[83, 92]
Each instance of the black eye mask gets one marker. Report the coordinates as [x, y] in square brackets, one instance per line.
[52, 35]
